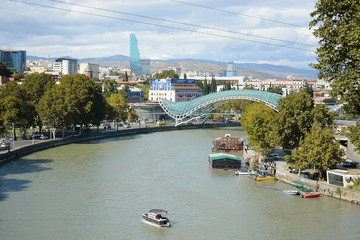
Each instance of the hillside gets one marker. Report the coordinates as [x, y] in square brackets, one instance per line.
[259, 71]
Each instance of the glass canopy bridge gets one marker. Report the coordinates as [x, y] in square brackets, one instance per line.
[201, 107]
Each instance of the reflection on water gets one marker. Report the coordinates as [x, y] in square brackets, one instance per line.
[99, 189]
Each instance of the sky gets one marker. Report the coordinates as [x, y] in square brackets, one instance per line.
[242, 31]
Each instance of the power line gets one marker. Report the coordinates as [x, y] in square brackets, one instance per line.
[158, 25]
[240, 14]
[187, 24]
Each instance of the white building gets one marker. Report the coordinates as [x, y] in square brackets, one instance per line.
[176, 90]
[65, 66]
[94, 67]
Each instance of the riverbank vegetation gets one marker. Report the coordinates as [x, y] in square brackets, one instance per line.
[75, 101]
[299, 125]
[336, 25]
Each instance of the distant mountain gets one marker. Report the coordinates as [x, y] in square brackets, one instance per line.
[245, 69]
[115, 58]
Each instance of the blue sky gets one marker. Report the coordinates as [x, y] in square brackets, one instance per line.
[43, 31]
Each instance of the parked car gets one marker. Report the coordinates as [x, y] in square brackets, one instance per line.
[43, 137]
[3, 144]
[127, 126]
[12, 139]
[347, 165]
[33, 132]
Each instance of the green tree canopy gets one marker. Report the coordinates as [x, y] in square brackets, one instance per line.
[119, 105]
[318, 150]
[110, 87]
[53, 109]
[294, 119]
[84, 100]
[275, 89]
[4, 70]
[257, 121]
[336, 23]
[132, 115]
[166, 74]
[35, 86]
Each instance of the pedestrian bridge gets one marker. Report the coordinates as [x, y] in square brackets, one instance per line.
[200, 107]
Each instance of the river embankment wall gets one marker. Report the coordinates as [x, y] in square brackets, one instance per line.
[31, 148]
[342, 193]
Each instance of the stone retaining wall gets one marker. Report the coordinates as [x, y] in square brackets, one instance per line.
[330, 190]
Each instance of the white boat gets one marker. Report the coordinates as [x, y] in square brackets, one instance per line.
[155, 218]
[291, 192]
[243, 172]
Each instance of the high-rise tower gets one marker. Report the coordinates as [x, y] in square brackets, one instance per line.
[230, 69]
[135, 62]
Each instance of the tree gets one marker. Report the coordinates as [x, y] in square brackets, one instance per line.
[257, 121]
[213, 85]
[126, 77]
[4, 70]
[294, 119]
[13, 107]
[355, 136]
[185, 77]
[124, 91]
[35, 86]
[166, 74]
[132, 115]
[110, 87]
[322, 116]
[308, 89]
[275, 89]
[318, 150]
[119, 105]
[53, 109]
[205, 88]
[83, 99]
[336, 24]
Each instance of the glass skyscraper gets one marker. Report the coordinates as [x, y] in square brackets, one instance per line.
[135, 62]
[14, 59]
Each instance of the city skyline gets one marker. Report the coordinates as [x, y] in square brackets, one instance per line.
[83, 31]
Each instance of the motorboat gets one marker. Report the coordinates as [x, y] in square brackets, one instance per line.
[155, 217]
[263, 175]
[305, 190]
[243, 172]
[291, 192]
[310, 194]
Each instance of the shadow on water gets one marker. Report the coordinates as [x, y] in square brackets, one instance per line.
[111, 139]
[21, 166]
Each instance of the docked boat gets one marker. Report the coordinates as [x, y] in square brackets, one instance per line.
[228, 144]
[239, 172]
[224, 161]
[155, 218]
[309, 194]
[306, 190]
[291, 192]
[263, 175]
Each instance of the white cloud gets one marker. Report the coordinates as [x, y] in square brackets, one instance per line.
[41, 31]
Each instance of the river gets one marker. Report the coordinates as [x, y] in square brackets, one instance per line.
[99, 189]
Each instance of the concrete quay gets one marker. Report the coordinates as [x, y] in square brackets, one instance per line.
[45, 144]
[284, 175]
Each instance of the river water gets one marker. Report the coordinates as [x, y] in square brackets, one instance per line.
[99, 189]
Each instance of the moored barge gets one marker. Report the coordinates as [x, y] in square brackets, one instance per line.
[224, 161]
[228, 144]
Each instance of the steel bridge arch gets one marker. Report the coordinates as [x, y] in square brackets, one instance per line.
[200, 107]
